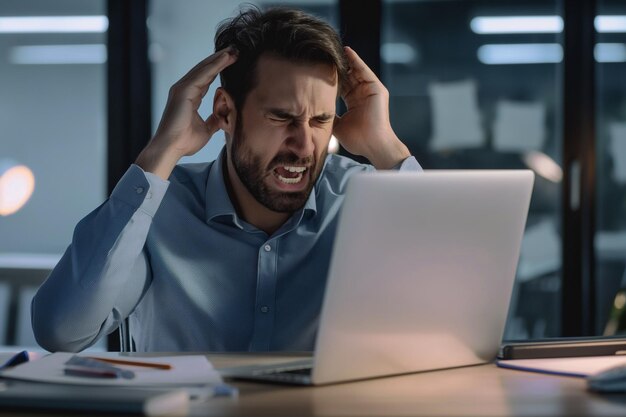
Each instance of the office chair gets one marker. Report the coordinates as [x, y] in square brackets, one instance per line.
[126, 340]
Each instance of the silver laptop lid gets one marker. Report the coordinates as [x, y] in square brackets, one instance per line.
[422, 272]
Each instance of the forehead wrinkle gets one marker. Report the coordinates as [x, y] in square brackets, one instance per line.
[296, 89]
[299, 102]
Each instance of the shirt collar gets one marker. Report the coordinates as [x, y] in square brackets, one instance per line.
[218, 202]
[216, 197]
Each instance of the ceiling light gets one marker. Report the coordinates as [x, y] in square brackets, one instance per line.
[520, 53]
[54, 24]
[58, 54]
[610, 52]
[516, 24]
[610, 23]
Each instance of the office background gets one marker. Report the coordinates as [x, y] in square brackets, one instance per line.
[474, 84]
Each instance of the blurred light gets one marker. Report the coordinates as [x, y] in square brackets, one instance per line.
[17, 184]
[58, 54]
[620, 301]
[610, 24]
[397, 53]
[150, 23]
[333, 145]
[543, 165]
[516, 24]
[54, 24]
[15, 260]
[610, 52]
[520, 53]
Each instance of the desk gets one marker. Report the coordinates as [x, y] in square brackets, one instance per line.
[483, 390]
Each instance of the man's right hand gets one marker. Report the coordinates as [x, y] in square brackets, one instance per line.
[182, 131]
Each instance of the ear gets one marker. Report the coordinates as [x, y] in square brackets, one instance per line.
[224, 111]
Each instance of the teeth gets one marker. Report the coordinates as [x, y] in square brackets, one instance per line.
[294, 169]
[290, 180]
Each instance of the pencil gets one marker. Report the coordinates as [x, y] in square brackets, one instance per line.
[134, 363]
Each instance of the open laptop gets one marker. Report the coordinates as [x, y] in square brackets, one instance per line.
[420, 278]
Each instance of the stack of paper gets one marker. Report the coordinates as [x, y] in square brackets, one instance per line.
[185, 371]
[156, 391]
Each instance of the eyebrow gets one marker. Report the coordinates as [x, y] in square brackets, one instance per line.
[284, 114]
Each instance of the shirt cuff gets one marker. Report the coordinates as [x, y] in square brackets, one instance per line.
[409, 164]
[142, 190]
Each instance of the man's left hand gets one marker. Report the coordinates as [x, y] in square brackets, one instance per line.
[364, 129]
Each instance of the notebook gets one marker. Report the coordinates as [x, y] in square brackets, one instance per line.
[17, 395]
[420, 278]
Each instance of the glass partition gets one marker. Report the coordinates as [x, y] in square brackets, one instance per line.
[52, 142]
[475, 84]
[610, 239]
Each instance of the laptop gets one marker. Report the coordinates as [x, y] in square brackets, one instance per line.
[420, 278]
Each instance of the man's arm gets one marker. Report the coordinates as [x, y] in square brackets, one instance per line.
[365, 128]
[104, 271]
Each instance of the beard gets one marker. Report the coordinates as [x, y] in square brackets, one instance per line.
[252, 174]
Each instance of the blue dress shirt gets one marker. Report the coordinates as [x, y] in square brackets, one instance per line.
[175, 257]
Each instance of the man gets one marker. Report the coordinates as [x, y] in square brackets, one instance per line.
[231, 255]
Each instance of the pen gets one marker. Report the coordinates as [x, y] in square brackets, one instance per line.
[17, 359]
[91, 372]
[164, 366]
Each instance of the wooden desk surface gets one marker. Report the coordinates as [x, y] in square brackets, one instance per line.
[471, 391]
[483, 390]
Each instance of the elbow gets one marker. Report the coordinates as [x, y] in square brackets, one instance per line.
[51, 332]
[46, 333]
[52, 343]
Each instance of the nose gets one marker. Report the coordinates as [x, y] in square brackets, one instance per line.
[300, 140]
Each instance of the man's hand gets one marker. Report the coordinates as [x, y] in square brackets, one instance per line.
[365, 128]
[182, 131]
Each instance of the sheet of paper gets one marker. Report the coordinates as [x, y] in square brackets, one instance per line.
[519, 126]
[540, 253]
[186, 370]
[618, 150]
[456, 116]
[583, 366]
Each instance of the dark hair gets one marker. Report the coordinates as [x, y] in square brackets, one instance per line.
[284, 32]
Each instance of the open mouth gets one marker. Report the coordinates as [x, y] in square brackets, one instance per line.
[290, 174]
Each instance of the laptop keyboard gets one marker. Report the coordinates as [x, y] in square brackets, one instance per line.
[286, 374]
[302, 371]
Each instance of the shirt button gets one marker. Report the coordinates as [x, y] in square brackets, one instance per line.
[139, 190]
[267, 248]
[265, 309]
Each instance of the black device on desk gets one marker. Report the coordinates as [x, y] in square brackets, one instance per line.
[563, 348]
[35, 396]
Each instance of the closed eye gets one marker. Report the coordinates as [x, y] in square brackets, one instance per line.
[279, 116]
[323, 120]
